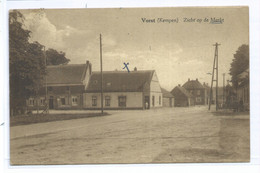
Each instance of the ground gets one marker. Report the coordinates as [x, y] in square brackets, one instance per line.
[164, 135]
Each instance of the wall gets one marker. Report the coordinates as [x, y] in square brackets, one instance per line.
[168, 102]
[134, 100]
[155, 90]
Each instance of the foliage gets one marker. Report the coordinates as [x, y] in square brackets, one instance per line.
[239, 64]
[55, 58]
[26, 63]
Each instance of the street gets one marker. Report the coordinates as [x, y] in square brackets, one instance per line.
[163, 135]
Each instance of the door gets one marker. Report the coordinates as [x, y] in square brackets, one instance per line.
[147, 102]
[51, 106]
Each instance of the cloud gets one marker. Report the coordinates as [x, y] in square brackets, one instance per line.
[47, 33]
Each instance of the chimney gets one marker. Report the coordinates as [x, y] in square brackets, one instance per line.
[179, 85]
[89, 65]
[204, 83]
[189, 79]
[196, 79]
[135, 69]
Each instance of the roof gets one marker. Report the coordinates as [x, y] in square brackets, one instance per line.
[120, 81]
[66, 74]
[166, 93]
[193, 84]
[182, 90]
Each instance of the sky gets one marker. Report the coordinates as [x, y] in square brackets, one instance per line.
[177, 51]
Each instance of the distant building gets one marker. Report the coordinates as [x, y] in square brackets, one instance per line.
[243, 89]
[182, 97]
[123, 90]
[195, 88]
[168, 98]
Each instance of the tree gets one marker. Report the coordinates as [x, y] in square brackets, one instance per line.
[26, 63]
[239, 64]
[55, 58]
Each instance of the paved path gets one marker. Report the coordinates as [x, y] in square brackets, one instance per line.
[149, 136]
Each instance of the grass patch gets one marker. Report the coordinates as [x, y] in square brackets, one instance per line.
[42, 118]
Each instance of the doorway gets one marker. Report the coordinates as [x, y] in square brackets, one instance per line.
[146, 102]
[51, 105]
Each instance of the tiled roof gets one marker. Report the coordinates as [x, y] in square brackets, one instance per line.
[193, 84]
[120, 81]
[182, 90]
[166, 93]
[66, 74]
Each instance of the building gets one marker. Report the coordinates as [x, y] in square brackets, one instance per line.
[123, 90]
[168, 99]
[65, 85]
[182, 97]
[243, 89]
[195, 88]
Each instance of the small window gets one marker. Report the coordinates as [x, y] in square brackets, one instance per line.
[198, 99]
[107, 101]
[94, 100]
[198, 92]
[122, 101]
[42, 101]
[31, 101]
[74, 100]
[109, 84]
[50, 88]
[159, 100]
[67, 88]
[153, 100]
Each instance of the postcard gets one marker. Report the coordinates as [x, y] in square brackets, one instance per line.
[129, 85]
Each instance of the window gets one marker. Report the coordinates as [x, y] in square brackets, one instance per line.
[198, 99]
[62, 100]
[107, 101]
[74, 100]
[198, 92]
[31, 101]
[42, 101]
[94, 100]
[153, 100]
[159, 100]
[49, 88]
[122, 101]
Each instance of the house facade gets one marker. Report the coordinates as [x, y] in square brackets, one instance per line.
[243, 89]
[123, 90]
[182, 97]
[195, 88]
[65, 85]
[168, 99]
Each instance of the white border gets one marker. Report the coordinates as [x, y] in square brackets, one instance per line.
[253, 166]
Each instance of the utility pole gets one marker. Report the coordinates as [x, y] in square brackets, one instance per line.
[46, 89]
[215, 68]
[224, 89]
[101, 70]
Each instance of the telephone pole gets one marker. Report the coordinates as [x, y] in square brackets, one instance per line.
[215, 68]
[101, 70]
[224, 89]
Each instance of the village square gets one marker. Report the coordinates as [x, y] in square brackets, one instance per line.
[115, 102]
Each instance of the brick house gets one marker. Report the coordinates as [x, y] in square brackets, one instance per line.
[64, 88]
[182, 97]
[195, 88]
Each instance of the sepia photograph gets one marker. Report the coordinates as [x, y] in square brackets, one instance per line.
[129, 85]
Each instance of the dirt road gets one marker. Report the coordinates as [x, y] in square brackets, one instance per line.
[142, 136]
